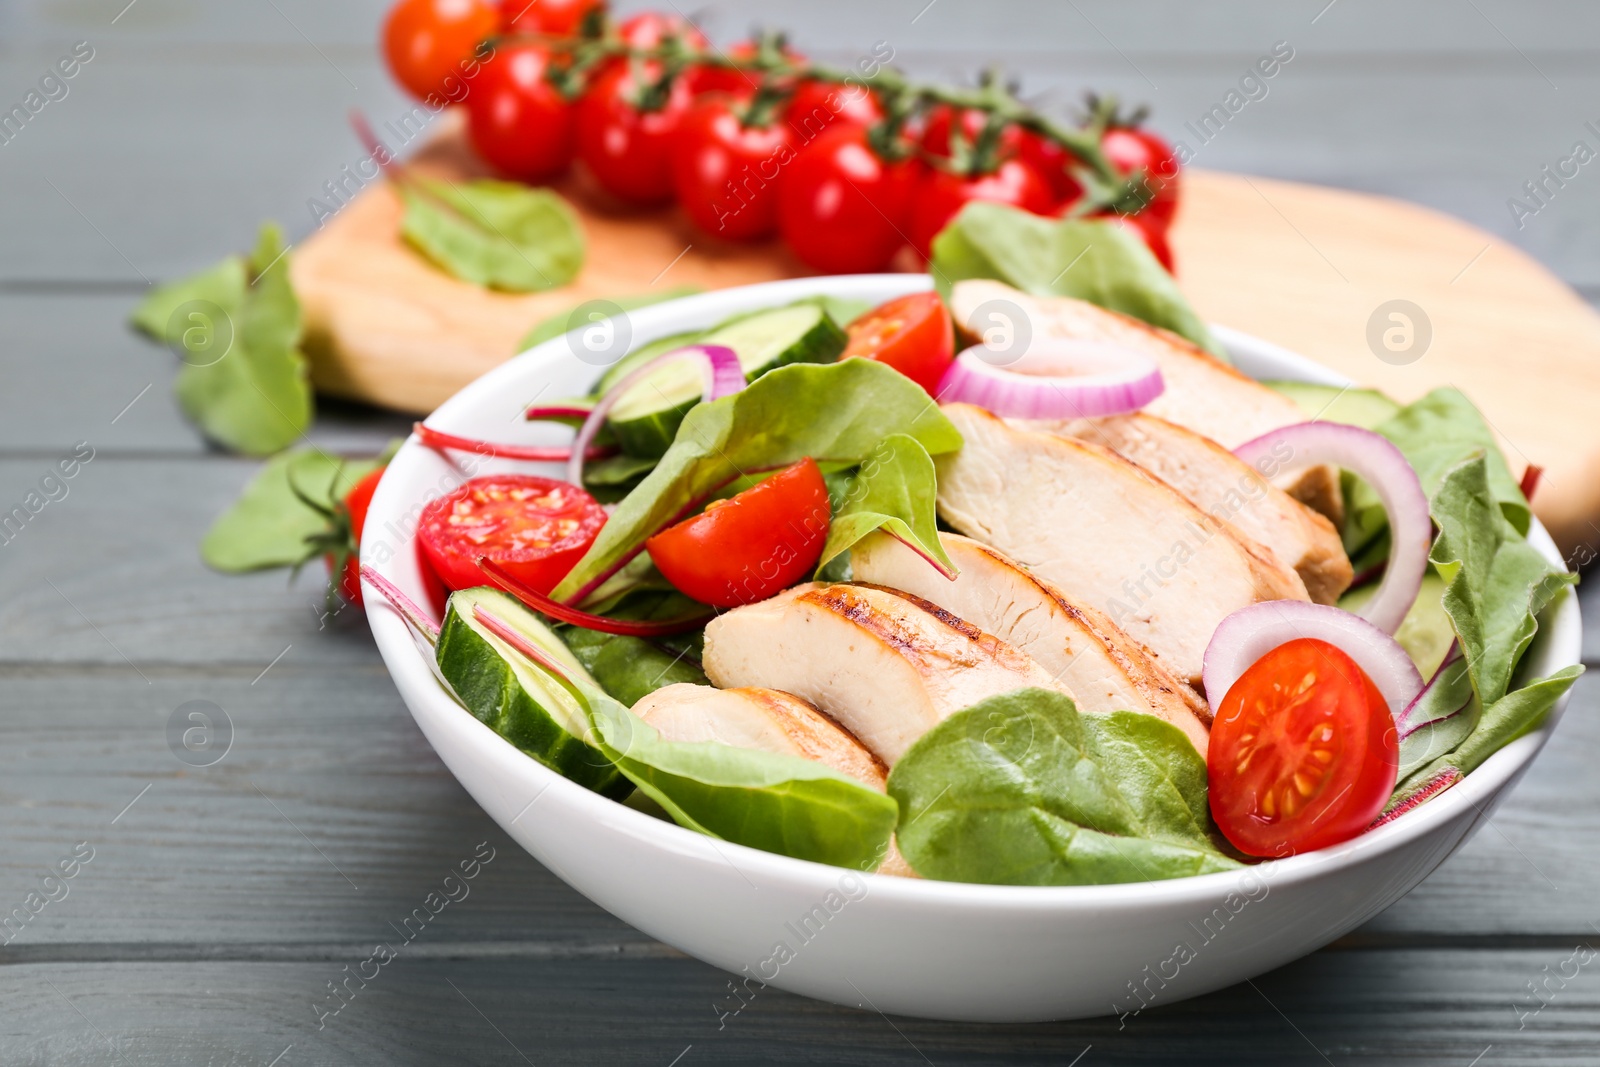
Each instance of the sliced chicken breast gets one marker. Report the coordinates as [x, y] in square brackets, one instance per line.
[1228, 489]
[1105, 668]
[1106, 532]
[1203, 393]
[885, 667]
[770, 721]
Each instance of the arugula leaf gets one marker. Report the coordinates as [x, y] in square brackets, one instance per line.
[892, 490]
[1022, 789]
[784, 804]
[237, 327]
[269, 525]
[1497, 581]
[500, 235]
[555, 325]
[1094, 261]
[832, 412]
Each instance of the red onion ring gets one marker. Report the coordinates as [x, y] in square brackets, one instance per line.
[1250, 633]
[544, 605]
[1054, 379]
[1374, 458]
[724, 376]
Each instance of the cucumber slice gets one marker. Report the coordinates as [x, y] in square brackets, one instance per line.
[642, 355]
[646, 419]
[1358, 407]
[516, 698]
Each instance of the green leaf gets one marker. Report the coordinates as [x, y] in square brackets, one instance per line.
[222, 286]
[1498, 582]
[269, 525]
[1022, 789]
[1366, 408]
[1426, 632]
[784, 804]
[562, 322]
[244, 381]
[1444, 717]
[832, 412]
[1443, 429]
[892, 490]
[1094, 261]
[500, 235]
[630, 668]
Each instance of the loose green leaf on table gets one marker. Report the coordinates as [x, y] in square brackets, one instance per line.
[1095, 261]
[893, 491]
[832, 412]
[1023, 789]
[784, 804]
[237, 328]
[500, 235]
[563, 321]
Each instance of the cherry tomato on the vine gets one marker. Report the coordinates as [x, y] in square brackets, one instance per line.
[629, 150]
[649, 28]
[1129, 150]
[1303, 752]
[516, 119]
[941, 121]
[748, 547]
[427, 41]
[942, 194]
[817, 105]
[841, 208]
[559, 18]
[712, 79]
[1052, 161]
[726, 173]
[356, 503]
[912, 333]
[536, 528]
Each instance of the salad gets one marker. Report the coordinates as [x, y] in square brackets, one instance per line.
[1070, 601]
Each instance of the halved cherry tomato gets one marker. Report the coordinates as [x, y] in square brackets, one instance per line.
[747, 548]
[942, 194]
[628, 149]
[725, 173]
[911, 333]
[1303, 752]
[356, 502]
[536, 528]
[1129, 150]
[817, 105]
[841, 208]
[426, 41]
[559, 18]
[516, 119]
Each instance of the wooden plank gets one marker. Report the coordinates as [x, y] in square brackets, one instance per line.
[1412, 1006]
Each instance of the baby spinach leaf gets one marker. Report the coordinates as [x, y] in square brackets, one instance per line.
[223, 286]
[893, 491]
[562, 322]
[270, 525]
[1497, 581]
[500, 235]
[832, 412]
[630, 668]
[1094, 261]
[784, 804]
[1443, 718]
[1022, 789]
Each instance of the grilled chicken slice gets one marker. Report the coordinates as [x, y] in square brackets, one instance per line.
[1106, 532]
[1104, 667]
[1227, 489]
[1203, 394]
[885, 667]
[771, 721]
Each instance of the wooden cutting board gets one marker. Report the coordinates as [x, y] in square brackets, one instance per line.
[1312, 269]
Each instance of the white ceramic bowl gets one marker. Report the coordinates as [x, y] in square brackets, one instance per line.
[937, 949]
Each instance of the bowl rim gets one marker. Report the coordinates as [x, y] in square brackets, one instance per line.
[1559, 642]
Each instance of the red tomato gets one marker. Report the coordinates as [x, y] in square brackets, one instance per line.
[842, 209]
[942, 194]
[1131, 149]
[725, 173]
[649, 28]
[536, 528]
[629, 151]
[817, 104]
[941, 120]
[356, 502]
[517, 120]
[560, 18]
[426, 41]
[746, 548]
[725, 80]
[1303, 752]
[913, 334]
[1052, 161]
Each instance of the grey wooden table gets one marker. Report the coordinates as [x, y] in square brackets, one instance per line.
[220, 902]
